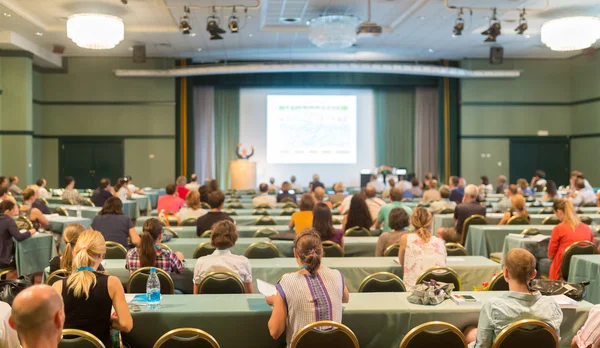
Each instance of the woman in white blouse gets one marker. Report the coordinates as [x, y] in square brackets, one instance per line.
[121, 190]
[192, 207]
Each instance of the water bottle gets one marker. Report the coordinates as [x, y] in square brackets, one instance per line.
[78, 211]
[153, 289]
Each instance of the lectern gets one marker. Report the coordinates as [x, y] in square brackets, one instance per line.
[243, 174]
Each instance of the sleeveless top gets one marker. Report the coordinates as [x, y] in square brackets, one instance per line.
[420, 256]
[27, 214]
[311, 298]
[91, 315]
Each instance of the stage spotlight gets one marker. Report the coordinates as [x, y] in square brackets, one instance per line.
[212, 26]
[459, 24]
[184, 22]
[494, 30]
[522, 24]
[233, 24]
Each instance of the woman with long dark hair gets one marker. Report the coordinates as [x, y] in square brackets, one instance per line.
[149, 254]
[551, 195]
[358, 214]
[323, 224]
[114, 226]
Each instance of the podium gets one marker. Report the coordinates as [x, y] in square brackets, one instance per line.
[243, 174]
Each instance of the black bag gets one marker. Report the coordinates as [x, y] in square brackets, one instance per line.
[547, 287]
[9, 289]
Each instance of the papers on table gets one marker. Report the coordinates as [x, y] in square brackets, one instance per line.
[464, 299]
[397, 260]
[565, 301]
[265, 288]
[537, 237]
[456, 259]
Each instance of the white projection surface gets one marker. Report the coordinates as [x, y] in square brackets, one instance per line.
[311, 129]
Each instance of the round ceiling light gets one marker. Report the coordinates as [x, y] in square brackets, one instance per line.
[571, 33]
[333, 31]
[95, 31]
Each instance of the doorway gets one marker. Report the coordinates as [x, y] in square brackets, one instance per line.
[89, 159]
[551, 154]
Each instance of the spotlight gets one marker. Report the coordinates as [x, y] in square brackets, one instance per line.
[184, 22]
[522, 24]
[124, 2]
[459, 24]
[494, 30]
[212, 26]
[234, 22]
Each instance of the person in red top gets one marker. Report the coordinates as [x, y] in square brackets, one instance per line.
[170, 203]
[181, 189]
[569, 231]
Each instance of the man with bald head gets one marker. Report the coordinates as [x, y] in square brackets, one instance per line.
[463, 211]
[38, 317]
[384, 213]
[374, 203]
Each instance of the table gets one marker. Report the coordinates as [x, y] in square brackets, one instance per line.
[153, 195]
[379, 320]
[243, 231]
[130, 208]
[482, 240]
[143, 202]
[59, 223]
[33, 254]
[447, 220]
[587, 268]
[240, 220]
[539, 249]
[272, 212]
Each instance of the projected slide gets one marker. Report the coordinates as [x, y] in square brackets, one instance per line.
[311, 129]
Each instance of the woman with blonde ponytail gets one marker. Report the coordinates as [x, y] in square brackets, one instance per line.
[89, 296]
[569, 231]
[420, 251]
[149, 254]
[69, 237]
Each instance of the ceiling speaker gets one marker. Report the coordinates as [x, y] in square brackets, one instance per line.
[496, 55]
[139, 53]
[58, 49]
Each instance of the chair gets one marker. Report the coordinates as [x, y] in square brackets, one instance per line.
[422, 204]
[357, 232]
[164, 246]
[586, 219]
[202, 250]
[67, 201]
[290, 205]
[44, 200]
[336, 221]
[441, 274]
[171, 231]
[287, 212]
[406, 200]
[332, 249]
[446, 211]
[232, 200]
[432, 333]
[221, 283]
[287, 200]
[5, 271]
[23, 223]
[547, 210]
[392, 250]
[455, 249]
[265, 232]
[262, 250]
[527, 333]
[263, 206]
[189, 222]
[57, 276]
[551, 220]
[496, 257]
[260, 211]
[88, 203]
[204, 205]
[230, 212]
[235, 205]
[265, 220]
[382, 282]
[498, 283]
[61, 211]
[206, 234]
[518, 220]
[590, 205]
[471, 220]
[115, 250]
[583, 247]
[137, 281]
[167, 219]
[336, 205]
[531, 231]
[335, 335]
[187, 337]
[79, 339]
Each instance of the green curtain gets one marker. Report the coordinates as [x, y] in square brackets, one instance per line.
[227, 131]
[395, 127]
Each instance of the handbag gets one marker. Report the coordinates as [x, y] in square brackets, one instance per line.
[9, 289]
[547, 287]
[430, 292]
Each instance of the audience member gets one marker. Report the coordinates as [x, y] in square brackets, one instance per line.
[131, 186]
[8, 231]
[319, 195]
[103, 192]
[538, 182]
[90, 296]
[149, 254]
[444, 203]
[170, 203]
[203, 191]
[323, 224]
[272, 187]
[302, 295]
[518, 209]
[426, 185]
[375, 183]
[121, 190]
[524, 187]
[569, 231]
[463, 211]
[551, 193]
[576, 174]
[38, 203]
[70, 193]
[297, 188]
[404, 184]
[395, 202]
[391, 185]
[420, 251]
[432, 194]
[114, 226]
[374, 203]
[34, 215]
[303, 219]
[589, 335]
[264, 198]
[286, 193]
[193, 184]
[206, 221]
[455, 194]
[505, 204]
[8, 336]
[516, 304]
[3, 182]
[182, 191]
[223, 238]
[397, 221]
[315, 183]
[192, 209]
[583, 196]
[38, 316]
[415, 191]
[212, 185]
[485, 184]
[43, 193]
[13, 187]
[339, 193]
[502, 185]
[4, 196]
[64, 261]
[358, 214]
[462, 183]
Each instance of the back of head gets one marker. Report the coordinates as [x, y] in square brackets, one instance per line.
[322, 221]
[570, 216]
[194, 178]
[3, 180]
[307, 203]
[518, 203]
[421, 220]
[522, 183]
[216, 199]
[88, 251]
[113, 205]
[12, 179]
[170, 189]
[272, 180]
[286, 186]
[3, 190]
[513, 189]
[471, 191]
[540, 173]
[520, 264]
[428, 176]
[68, 180]
[370, 192]
[70, 236]
[121, 182]
[373, 177]
[339, 187]
[213, 185]
[309, 249]
[396, 194]
[224, 235]
[6, 206]
[315, 177]
[104, 183]
[414, 181]
[398, 219]
[150, 233]
[445, 191]
[263, 188]
[358, 214]
[37, 312]
[433, 184]
[579, 183]
[319, 193]
[551, 188]
[485, 180]
[181, 180]
[40, 182]
[392, 182]
[192, 200]
[293, 179]
[203, 191]
[501, 179]
[28, 194]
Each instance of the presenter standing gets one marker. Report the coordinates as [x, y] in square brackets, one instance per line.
[243, 153]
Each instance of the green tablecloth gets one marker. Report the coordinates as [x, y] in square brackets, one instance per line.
[153, 196]
[485, 239]
[379, 320]
[273, 212]
[240, 220]
[143, 202]
[587, 268]
[58, 223]
[538, 248]
[33, 254]
[244, 231]
[130, 208]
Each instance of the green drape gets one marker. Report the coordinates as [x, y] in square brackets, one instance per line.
[394, 127]
[227, 131]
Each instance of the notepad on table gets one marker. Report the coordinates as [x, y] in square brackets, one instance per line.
[265, 288]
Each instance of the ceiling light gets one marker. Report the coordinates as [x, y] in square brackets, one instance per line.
[431, 50]
[528, 36]
[233, 23]
[422, 18]
[199, 49]
[7, 14]
[249, 35]
[522, 24]
[571, 33]
[459, 24]
[192, 34]
[494, 29]
[95, 31]
[184, 22]
[212, 26]
[333, 31]
[130, 48]
[39, 34]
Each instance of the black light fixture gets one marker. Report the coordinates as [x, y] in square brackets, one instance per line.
[234, 23]
[522, 24]
[184, 22]
[494, 29]
[212, 26]
[459, 24]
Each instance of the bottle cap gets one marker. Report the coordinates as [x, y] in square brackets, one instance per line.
[152, 269]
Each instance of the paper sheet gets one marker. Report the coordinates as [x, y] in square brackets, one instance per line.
[456, 259]
[265, 288]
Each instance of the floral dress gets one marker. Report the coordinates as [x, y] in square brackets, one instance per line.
[421, 256]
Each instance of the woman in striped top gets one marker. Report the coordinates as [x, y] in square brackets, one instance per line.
[313, 293]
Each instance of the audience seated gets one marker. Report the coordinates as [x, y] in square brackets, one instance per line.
[32, 213]
[395, 202]
[272, 187]
[518, 303]
[576, 174]
[103, 192]
[339, 193]
[323, 224]
[319, 196]
[404, 184]
[444, 203]
[386, 193]
[518, 209]
[38, 317]
[589, 335]
[569, 231]
[90, 296]
[4, 196]
[121, 190]
[3, 182]
[203, 191]
[455, 194]
[425, 185]
[223, 238]
[551, 193]
[69, 236]
[297, 188]
[538, 182]
[170, 203]
[415, 191]
[149, 254]
[8, 336]
[315, 183]
[421, 250]
[462, 184]
[485, 184]
[113, 225]
[13, 187]
[43, 193]
[8, 231]
[463, 211]
[206, 221]
[264, 197]
[70, 193]
[375, 183]
[192, 207]
[38, 203]
[398, 221]
[193, 184]
[132, 188]
[285, 193]
[374, 203]
[583, 196]
[502, 184]
[301, 295]
[505, 204]
[212, 185]
[432, 194]
[182, 191]
[524, 187]
[358, 214]
[303, 219]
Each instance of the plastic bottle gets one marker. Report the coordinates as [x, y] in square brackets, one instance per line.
[79, 211]
[153, 289]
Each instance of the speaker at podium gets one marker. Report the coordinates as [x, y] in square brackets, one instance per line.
[243, 174]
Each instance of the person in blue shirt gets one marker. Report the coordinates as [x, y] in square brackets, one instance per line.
[102, 193]
[524, 186]
[456, 195]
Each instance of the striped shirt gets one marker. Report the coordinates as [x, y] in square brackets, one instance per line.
[590, 332]
[165, 259]
[311, 298]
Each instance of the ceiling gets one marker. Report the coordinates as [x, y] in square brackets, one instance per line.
[414, 30]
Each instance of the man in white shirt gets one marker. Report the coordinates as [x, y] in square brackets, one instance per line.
[8, 336]
[264, 198]
[376, 184]
[584, 195]
[404, 184]
[297, 188]
[272, 187]
[131, 187]
[373, 203]
[42, 192]
[193, 184]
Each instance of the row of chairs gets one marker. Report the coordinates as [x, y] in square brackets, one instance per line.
[239, 205]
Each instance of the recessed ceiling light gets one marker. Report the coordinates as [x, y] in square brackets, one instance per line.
[249, 17]
[454, 36]
[7, 14]
[39, 34]
[192, 34]
[431, 50]
[422, 17]
[527, 36]
[249, 35]
[130, 48]
[199, 49]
